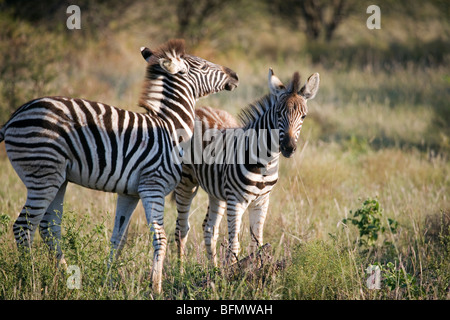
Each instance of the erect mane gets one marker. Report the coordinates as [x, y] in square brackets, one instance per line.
[295, 82]
[171, 49]
[254, 111]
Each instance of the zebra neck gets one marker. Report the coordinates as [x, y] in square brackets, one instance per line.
[169, 102]
[266, 128]
[272, 167]
[266, 151]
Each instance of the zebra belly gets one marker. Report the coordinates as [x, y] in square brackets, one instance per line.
[222, 180]
[117, 184]
[212, 179]
[122, 173]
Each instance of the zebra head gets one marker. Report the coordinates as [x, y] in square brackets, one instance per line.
[291, 107]
[199, 75]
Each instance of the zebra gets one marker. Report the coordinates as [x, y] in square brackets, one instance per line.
[234, 187]
[51, 141]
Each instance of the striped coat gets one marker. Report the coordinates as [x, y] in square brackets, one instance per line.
[236, 186]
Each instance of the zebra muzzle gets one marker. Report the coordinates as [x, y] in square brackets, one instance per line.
[288, 148]
[233, 79]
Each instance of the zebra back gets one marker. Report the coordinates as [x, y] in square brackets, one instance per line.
[215, 118]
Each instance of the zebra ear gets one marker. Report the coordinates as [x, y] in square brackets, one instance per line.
[275, 84]
[172, 66]
[309, 90]
[168, 65]
[146, 53]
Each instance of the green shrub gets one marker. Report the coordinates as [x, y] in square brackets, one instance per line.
[4, 223]
[368, 221]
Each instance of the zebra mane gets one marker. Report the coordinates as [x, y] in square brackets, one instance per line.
[170, 49]
[254, 111]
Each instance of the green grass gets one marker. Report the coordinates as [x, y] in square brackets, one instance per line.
[378, 129]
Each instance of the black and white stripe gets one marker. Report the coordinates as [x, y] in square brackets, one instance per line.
[236, 187]
[55, 140]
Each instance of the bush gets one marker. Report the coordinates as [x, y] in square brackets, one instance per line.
[368, 221]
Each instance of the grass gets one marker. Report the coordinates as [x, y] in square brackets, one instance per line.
[378, 129]
[324, 260]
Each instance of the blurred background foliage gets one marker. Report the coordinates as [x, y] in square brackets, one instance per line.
[400, 71]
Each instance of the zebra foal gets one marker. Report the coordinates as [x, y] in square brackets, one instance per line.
[51, 141]
[237, 186]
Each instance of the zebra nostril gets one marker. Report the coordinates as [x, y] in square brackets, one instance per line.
[287, 148]
[230, 86]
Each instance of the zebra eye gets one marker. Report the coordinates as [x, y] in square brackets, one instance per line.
[303, 117]
[204, 67]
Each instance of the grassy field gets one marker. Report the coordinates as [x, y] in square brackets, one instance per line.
[368, 185]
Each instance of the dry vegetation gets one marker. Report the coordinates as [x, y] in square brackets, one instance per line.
[378, 128]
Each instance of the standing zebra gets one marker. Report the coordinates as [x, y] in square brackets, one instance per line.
[238, 186]
[55, 140]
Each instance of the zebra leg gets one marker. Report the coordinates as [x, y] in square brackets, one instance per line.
[153, 202]
[184, 194]
[124, 210]
[211, 224]
[38, 200]
[50, 225]
[257, 215]
[235, 211]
